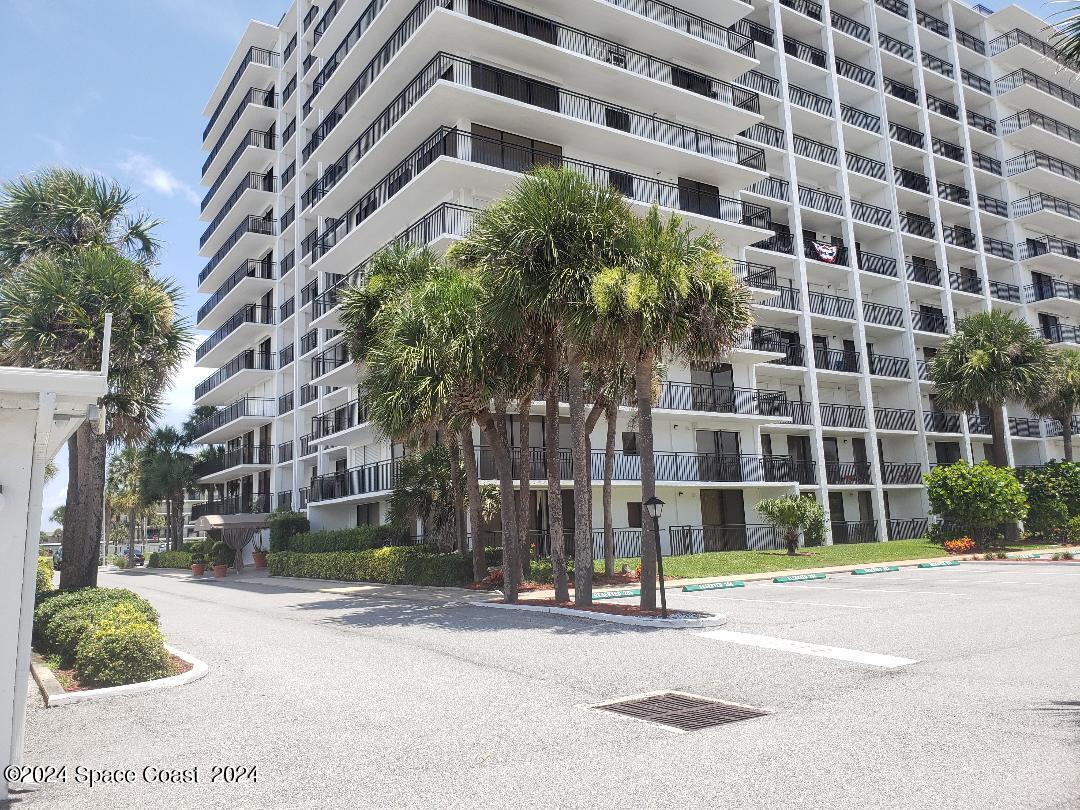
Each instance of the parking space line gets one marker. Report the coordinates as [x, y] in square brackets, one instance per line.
[793, 602]
[871, 590]
[804, 648]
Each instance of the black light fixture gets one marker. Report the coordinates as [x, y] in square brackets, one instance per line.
[655, 507]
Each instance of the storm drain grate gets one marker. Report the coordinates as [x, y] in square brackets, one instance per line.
[682, 711]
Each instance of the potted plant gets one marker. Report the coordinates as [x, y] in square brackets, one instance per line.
[222, 558]
[198, 563]
[258, 554]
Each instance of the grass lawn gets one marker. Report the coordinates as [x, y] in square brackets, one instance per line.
[725, 563]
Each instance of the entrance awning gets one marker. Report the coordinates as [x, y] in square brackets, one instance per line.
[249, 521]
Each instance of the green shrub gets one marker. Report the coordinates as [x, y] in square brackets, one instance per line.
[122, 647]
[283, 526]
[1053, 494]
[223, 555]
[392, 565]
[170, 559]
[543, 572]
[60, 621]
[976, 499]
[117, 560]
[43, 584]
[359, 538]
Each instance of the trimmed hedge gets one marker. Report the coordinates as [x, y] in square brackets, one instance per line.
[61, 620]
[283, 526]
[391, 565]
[169, 559]
[43, 585]
[359, 538]
[123, 646]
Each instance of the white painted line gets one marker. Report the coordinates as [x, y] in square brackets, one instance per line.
[804, 648]
[871, 590]
[793, 602]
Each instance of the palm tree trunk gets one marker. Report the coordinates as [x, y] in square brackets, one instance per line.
[583, 570]
[998, 435]
[472, 484]
[554, 476]
[82, 545]
[524, 479]
[612, 411]
[178, 516]
[131, 538]
[1067, 434]
[643, 384]
[505, 470]
[457, 492]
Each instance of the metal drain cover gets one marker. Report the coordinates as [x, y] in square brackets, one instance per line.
[682, 711]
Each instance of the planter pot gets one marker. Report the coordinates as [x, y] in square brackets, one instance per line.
[260, 558]
[220, 570]
[198, 569]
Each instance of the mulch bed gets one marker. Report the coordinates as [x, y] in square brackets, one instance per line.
[618, 610]
[70, 681]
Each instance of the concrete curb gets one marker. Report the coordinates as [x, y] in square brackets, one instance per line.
[54, 693]
[714, 620]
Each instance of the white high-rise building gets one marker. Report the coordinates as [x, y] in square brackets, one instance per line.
[877, 169]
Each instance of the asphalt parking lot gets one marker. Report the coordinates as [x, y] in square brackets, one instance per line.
[951, 688]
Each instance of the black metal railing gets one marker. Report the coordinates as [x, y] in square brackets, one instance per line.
[1039, 160]
[859, 118]
[1025, 427]
[251, 224]
[329, 360]
[975, 81]
[942, 422]
[853, 531]
[896, 47]
[1051, 288]
[254, 504]
[938, 65]
[924, 272]
[942, 107]
[902, 91]
[720, 399]
[1031, 248]
[254, 56]
[928, 321]
[249, 455]
[849, 26]
[842, 416]
[946, 149]
[245, 407]
[968, 282]
[785, 298]
[1060, 333]
[916, 224]
[807, 7]
[898, 132]
[255, 140]
[1022, 77]
[993, 205]
[807, 53]
[833, 306]
[801, 97]
[996, 247]
[894, 419]
[971, 42]
[815, 150]
[286, 403]
[1030, 118]
[883, 365]
[847, 472]
[1038, 201]
[249, 313]
[254, 96]
[959, 236]
[245, 361]
[907, 528]
[875, 263]
[915, 181]
[251, 268]
[1004, 291]
[883, 314]
[346, 416]
[836, 360]
[865, 165]
[253, 181]
[745, 537]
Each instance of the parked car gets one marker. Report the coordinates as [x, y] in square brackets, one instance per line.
[138, 556]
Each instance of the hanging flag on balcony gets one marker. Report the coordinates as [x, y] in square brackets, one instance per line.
[824, 252]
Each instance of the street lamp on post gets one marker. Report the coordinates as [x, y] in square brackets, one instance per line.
[655, 507]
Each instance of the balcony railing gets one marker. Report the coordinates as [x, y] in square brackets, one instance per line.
[1030, 118]
[942, 422]
[446, 68]
[953, 193]
[996, 247]
[285, 404]
[938, 65]
[865, 165]
[251, 224]
[337, 419]
[1018, 37]
[1021, 77]
[250, 313]
[1025, 427]
[254, 96]
[882, 365]
[567, 38]
[959, 236]
[900, 90]
[992, 205]
[895, 6]
[1051, 288]
[250, 455]
[907, 528]
[801, 97]
[1044, 202]
[242, 408]
[251, 268]
[1004, 291]
[942, 107]
[254, 56]
[849, 26]
[842, 416]
[875, 263]
[1039, 160]
[719, 399]
[871, 214]
[894, 419]
[1031, 248]
[252, 182]
[903, 134]
[893, 472]
[247, 360]
[916, 181]
[329, 360]
[1060, 333]
[949, 150]
[807, 53]
[847, 473]
[970, 42]
[821, 200]
[755, 32]
[254, 504]
[702, 539]
[896, 47]
[763, 133]
[255, 140]
[807, 7]
[916, 224]
[826, 253]
[836, 360]
[975, 80]
[815, 150]
[452, 143]
[923, 273]
[968, 282]
[833, 306]
[928, 321]
[858, 118]
[883, 314]
[785, 298]
[854, 531]
[932, 23]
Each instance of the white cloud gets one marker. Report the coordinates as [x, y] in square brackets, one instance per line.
[181, 397]
[156, 177]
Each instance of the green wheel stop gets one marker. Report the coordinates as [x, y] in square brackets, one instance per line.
[617, 594]
[942, 564]
[798, 577]
[877, 569]
[713, 586]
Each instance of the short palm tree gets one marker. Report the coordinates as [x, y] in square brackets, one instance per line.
[794, 515]
[60, 210]
[676, 296]
[52, 314]
[1059, 396]
[168, 471]
[122, 491]
[990, 358]
[541, 245]
[422, 489]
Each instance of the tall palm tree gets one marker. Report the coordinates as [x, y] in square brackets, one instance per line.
[52, 313]
[991, 357]
[676, 296]
[122, 491]
[1059, 396]
[59, 210]
[167, 474]
[541, 245]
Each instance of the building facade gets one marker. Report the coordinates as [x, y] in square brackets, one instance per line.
[875, 169]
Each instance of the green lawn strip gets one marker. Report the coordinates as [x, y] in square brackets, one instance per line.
[729, 563]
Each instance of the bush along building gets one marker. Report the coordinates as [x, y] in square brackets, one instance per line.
[877, 170]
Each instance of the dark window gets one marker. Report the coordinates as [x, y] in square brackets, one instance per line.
[699, 198]
[617, 119]
[629, 444]
[633, 514]
[694, 82]
[622, 182]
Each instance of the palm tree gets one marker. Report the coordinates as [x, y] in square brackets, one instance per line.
[990, 358]
[52, 313]
[1059, 396]
[675, 296]
[59, 210]
[422, 489]
[1065, 36]
[794, 515]
[167, 474]
[541, 245]
[122, 492]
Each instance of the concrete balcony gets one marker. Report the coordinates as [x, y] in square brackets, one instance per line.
[236, 463]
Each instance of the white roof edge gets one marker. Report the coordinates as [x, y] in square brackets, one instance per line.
[83, 385]
[1013, 16]
[258, 33]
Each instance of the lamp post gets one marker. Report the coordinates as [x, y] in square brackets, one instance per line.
[655, 508]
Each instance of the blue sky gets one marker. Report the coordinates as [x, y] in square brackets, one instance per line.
[118, 87]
